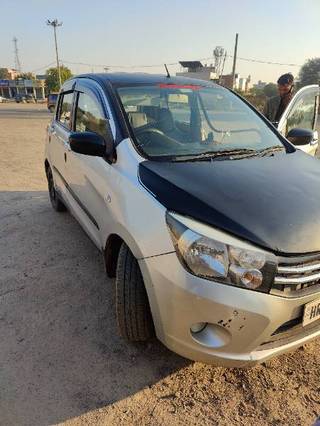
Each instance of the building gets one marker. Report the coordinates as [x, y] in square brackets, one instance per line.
[14, 85]
[195, 69]
[244, 84]
[13, 74]
[11, 88]
[240, 83]
[226, 80]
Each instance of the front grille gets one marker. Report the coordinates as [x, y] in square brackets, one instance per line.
[297, 276]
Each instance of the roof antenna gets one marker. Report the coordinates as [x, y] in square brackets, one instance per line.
[168, 74]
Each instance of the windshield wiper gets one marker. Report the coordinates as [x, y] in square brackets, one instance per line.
[208, 156]
[271, 150]
[232, 153]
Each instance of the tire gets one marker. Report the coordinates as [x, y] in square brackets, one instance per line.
[56, 203]
[134, 317]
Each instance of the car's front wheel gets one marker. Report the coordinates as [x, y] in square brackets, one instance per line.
[56, 203]
[132, 305]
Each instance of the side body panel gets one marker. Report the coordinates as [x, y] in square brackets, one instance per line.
[108, 198]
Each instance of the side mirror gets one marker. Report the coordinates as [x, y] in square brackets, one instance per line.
[300, 136]
[90, 143]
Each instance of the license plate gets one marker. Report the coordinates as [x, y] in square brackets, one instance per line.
[311, 312]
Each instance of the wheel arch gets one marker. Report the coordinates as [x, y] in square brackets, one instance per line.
[111, 254]
[112, 246]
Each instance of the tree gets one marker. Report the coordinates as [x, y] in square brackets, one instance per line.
[27, 76]
[270, 90]
[310, 72]
[4, 74]
[257, 98]
[52, 78]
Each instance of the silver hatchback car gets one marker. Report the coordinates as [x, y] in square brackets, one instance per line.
[206, 215]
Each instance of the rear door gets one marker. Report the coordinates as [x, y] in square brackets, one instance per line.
[302, 112]
[59, 132]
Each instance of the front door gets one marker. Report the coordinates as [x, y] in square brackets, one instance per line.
[88, 177]
[302, 113]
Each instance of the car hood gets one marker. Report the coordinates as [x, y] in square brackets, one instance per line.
[273, 202]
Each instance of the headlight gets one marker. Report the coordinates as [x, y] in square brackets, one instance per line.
[212, 259]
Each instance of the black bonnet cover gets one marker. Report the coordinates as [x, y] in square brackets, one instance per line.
[273, 202]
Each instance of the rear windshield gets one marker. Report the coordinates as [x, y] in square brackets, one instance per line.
[177, 120]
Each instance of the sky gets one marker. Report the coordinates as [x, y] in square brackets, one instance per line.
[123, 33]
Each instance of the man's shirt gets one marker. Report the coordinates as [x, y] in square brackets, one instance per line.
[276, 106]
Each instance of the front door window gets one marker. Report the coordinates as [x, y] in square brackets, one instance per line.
[303, 113]
[89, 116]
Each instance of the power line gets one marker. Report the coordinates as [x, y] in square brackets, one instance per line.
[177, 63]
[161, 64]
[120, 66]
[265, 62]
[41, 68]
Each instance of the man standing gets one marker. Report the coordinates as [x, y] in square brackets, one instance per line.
[276, 105]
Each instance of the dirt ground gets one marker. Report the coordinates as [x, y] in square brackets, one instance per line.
[61, 360]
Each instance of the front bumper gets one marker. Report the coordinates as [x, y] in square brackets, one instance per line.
[244, 326]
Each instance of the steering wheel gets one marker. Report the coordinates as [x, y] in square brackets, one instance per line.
[148, 132]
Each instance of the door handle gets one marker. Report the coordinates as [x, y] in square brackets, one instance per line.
[65, 157]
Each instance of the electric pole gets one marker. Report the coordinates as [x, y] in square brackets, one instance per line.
[17, 64]
[224, 61]
[234, 61]
[56, 24]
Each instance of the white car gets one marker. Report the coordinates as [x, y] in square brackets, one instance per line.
[207, 217]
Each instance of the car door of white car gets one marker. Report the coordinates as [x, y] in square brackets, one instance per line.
[58, 133]
[88, 176]
[302, 113]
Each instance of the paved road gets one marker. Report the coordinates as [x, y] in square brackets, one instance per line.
[61, 360]
[24, 110]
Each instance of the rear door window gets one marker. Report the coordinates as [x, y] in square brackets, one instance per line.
[65, 110]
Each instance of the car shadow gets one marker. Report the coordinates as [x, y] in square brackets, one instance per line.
[61, 355]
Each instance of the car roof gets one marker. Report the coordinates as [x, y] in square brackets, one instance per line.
[123, 78]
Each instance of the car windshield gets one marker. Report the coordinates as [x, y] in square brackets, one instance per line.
[173, 120]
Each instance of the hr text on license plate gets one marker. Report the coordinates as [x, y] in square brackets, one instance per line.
[311, 312]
